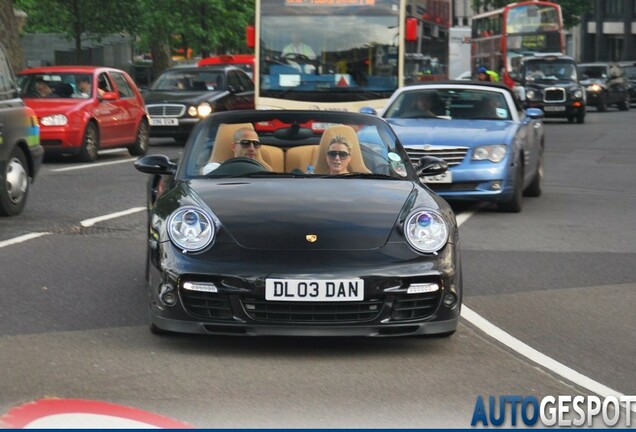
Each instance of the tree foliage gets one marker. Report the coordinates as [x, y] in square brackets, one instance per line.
[572, 10]
[160, 26]
[93, 19]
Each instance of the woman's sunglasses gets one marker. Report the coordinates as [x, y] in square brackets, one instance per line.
[246, 143]
[336, 153]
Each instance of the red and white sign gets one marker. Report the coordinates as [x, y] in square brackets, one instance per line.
[77, 413]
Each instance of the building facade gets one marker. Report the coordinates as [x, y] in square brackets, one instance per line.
[608, 31]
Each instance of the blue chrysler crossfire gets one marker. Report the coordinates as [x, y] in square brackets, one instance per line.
[493, 147]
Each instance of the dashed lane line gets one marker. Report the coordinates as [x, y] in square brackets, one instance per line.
[84, 223]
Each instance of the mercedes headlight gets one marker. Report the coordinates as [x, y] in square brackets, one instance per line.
[493, 153]
[54, 120]
[204, 109]
[578, 93]
[530, 94]
[426, 231]
[191, 229]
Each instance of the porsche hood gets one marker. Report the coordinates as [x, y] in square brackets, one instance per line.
[318, 214]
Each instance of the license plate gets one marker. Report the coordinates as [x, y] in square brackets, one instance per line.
[156, 121]
[307, 290]
[554, 108]
[446, 177]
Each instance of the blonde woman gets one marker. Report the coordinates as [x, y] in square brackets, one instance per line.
[338, 155]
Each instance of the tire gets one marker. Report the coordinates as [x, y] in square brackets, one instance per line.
[624, 104]
[535, 188]
[601, 106]
[90, 144]
[15, 184]
[514, 204]
[580, 117]
[142, 142]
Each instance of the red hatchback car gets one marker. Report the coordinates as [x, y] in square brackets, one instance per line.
[82, 109]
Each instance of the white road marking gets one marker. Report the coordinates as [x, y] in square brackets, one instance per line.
[530, 353]
[93, 165]
[22, 238]
[84, 223]
[93, 221]
[468, 314]
[536, 356]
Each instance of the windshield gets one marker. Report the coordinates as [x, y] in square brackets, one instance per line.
[531, 18]
[332, 53]
[630, 71]
[449, 104]
[296, 147]
[56, 85]
[597, 72]
[190, 80]
[542, 71]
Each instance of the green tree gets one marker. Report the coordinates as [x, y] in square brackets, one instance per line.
[93, 19]
[572, 9]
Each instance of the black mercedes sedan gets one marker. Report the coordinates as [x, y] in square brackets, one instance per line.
[316, 225]
[182, 96]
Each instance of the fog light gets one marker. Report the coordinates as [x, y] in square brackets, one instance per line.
[418, 288]
[167, 295]
[450, 300]
[200, 286]
[169, 298]
[496, 185]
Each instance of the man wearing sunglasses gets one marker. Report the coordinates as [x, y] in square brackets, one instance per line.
[246, 143]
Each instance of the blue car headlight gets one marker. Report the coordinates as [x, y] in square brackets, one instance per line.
[426, 231]
[191, 229]
[493, 153]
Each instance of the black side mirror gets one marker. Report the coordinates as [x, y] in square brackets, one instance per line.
[430, 166]
[156, 164]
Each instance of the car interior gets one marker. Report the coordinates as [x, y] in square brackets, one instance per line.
[285, 154]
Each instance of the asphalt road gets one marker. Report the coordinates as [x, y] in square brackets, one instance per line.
[560, 277]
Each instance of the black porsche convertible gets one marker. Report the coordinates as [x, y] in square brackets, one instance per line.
[323, 229]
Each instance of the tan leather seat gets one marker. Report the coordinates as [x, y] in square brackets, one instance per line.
[222, 149]
[355, 165]
[300, 157]
[274, 157]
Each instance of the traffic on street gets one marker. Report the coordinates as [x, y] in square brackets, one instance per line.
[548, 301]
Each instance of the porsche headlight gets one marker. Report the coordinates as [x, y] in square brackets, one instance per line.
[493, 153]
[530, 94]
[594, 88]
[191, 229]
[426, 231]
[54, 120]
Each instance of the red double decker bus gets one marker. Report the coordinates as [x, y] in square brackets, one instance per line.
[501, 38]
